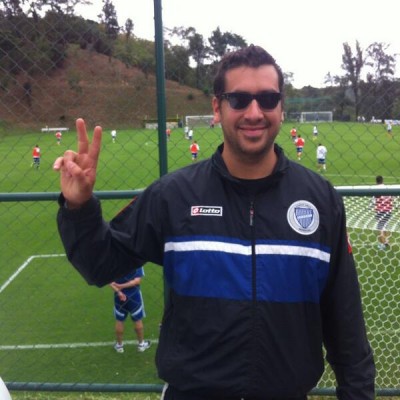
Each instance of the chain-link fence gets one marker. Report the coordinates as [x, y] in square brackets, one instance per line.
[56, 330]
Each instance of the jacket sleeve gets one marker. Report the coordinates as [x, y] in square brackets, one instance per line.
[345, 339]
[102, 251]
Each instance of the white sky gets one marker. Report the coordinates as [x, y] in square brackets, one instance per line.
[305, 36]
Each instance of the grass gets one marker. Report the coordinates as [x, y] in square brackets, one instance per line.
[48, 305]
[83, 396]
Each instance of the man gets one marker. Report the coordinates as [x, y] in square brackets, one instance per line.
[128, 300]
[194, 150]
[36, 157]
[113, 135]
[293, 133]
[299, 143]
[315, 132]
[321, 157]
[58, 137]
[383, 211]
[255, 254]
[389, 127]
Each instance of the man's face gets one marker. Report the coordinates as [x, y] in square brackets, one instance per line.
[249, 133]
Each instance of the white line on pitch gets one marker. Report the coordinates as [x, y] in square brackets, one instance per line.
[24, 265]
[65, 345]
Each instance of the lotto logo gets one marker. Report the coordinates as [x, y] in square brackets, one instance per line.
[213, 211]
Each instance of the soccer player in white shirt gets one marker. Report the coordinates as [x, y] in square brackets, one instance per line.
[321, 157]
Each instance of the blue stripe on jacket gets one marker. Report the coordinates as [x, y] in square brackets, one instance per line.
[215, 267]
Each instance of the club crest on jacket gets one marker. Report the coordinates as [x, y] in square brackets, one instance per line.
[303, 217]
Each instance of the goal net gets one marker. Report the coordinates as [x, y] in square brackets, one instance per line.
[316, 116]
[379, 276]
[193, 121]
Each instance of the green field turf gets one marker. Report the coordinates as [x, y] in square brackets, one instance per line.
[56, 328]
[356, 154]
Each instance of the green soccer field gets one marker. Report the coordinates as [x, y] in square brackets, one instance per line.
[56, 328]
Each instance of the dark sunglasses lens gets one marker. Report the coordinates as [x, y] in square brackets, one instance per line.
[239, 101]
[268, 101]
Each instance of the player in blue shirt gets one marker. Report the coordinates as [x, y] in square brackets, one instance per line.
[128, 301]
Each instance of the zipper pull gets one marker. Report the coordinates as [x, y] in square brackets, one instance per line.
[252, 214]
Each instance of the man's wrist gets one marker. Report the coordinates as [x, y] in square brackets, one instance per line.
[90, 209]
[69, 205]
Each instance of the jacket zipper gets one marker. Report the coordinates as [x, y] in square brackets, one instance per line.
[253, 348]
[253, 250]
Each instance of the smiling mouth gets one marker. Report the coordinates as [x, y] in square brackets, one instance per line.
[253, 131]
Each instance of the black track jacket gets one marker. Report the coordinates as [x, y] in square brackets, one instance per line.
[260, 275]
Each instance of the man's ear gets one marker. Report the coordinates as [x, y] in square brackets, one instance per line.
[216, 106]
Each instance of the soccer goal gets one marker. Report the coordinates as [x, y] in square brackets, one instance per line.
[361, 210]
[379, 273]
[316, 116]
[194, 121]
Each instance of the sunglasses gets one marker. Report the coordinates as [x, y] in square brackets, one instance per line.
[241, 100]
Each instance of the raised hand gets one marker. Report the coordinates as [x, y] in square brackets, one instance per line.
[78, 169]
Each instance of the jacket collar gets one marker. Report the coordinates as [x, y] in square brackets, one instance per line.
[257, 185]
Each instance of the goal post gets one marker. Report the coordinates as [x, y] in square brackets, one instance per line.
[316, 116]
[193, 121]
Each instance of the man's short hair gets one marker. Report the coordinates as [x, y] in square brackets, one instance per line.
[251, 56]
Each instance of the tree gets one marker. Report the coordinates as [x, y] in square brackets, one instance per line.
[177, 64]
[110, 20]
[58, 6]
[353, 64]
[330, 79]
[288, 78]
[220, 43]
[11, 8]
[379, 90]
[199, 52]
[128, 28]
[382, 64]
[196, 47]
[111, 28]
[234, 41]
[341, 100]
[27, 86]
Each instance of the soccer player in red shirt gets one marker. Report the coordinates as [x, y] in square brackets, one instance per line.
[293, 133]
[36, 157]
[194, 149]
[299, 142]
[58, 136]
[383, 213]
